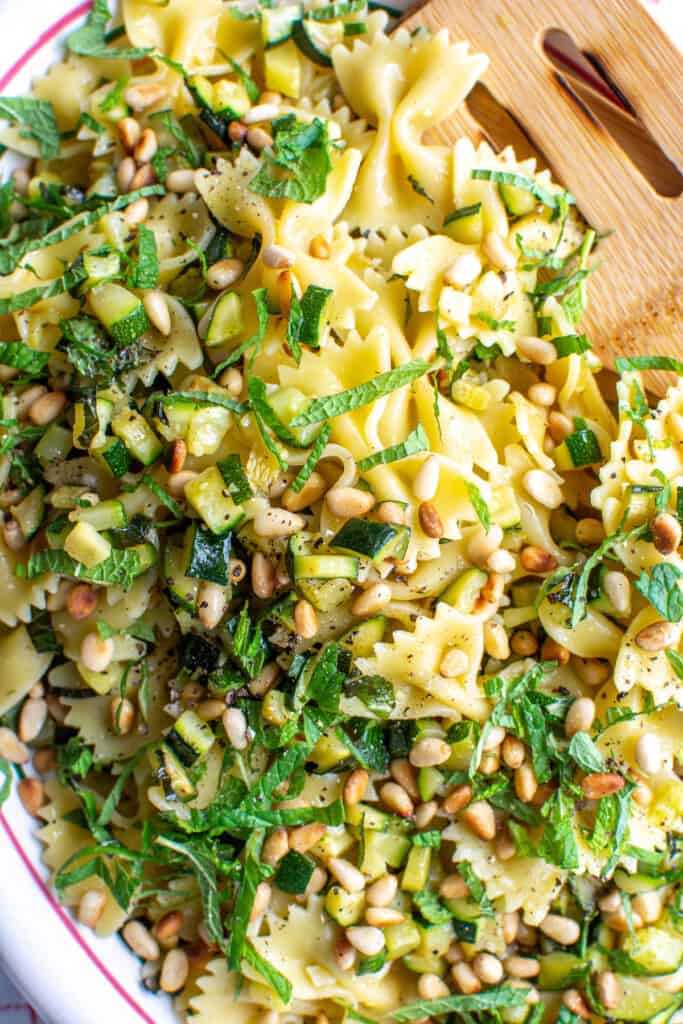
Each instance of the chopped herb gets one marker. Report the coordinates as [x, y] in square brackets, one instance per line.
[198, 398]
[37, 117]
[277, 981]
[464, 211]
[676, 661]
[298, 165]
[339, 9]
[294, 873]
[431, 908]
[570, 344]
[661, 588]
[417, 187]
[205, 872]
[491, 999]
[549, 199]
[118, 570]
[74, 760]
[431, 839]
[251, 88]
[90, 40]
[416, 441]
[479, 505]
[164, 497]
[23, 358]
[330, 406]
[375, 692]
[583, 750]
[5, 780]
[254, 342]
[24, 300]
[557, 286]
[235, 478]
[496, 325]
[623, 365]
[313, 458]
[146, 273]
[189, 142]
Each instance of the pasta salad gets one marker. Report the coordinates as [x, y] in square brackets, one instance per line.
[340, 599]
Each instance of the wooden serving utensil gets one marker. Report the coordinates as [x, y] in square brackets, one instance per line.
[636, 298]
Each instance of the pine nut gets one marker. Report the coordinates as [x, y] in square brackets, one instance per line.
[367, 940]
[45, 760]
[580, 716]
[560, 426]
[592, 671]
[174, 971]
[136, 213]
[355, 786]
[513, 751]
[285, 285]
[144, 176]
[396, 799]
[590, 532]
[575, 1002]
[648, 753]
[457, 798]
[262, 576]
[402, 771]
[346, 874]
[178, 456]
[305, 619]
[480, 818]
[666, 533]
[521, 967]
[454, 663]
[496, 643]
[537, 350]
[390, 512]
[372, 600]
[657, 636]
[488, 968]
[383, 917]
[498, 252]
[382, 892]
[57, 710]
[121, 715]
[259, 138]
[181, 181]
[211, 604]
[525, 783]
[32, 719]
[21, 180]
[610, 903]
[429, 752]
[430, 986]
[233, 380]
[600, 784]
[141, 940]
[12, 535]
[91, 907]
[235, 725]
[265, 680]
[537, 560]
[609, 990]
[224, 273]
[510, 926]
[540, 486]
[618, 589]
[275, 846]
[261, 112]
[262, 898]
[501, 561]
[552, 651]
[648, 905]
[97, 652]
[344, 954]
[319, 249]
[158, 312]
[277, 522]
[430, 520]
[305, 837]
[494, 738]
[482, 545]
[426, 482]
[31, 794]
[277, 257]
[237, 132]
[619, 922]
[129, 132]
[125, 173]
[542, 394]
[349, 502]
[454, 953]
[146, 148]
[317, 881]
[454, 887]
[27, 398]
[169, 926]
[47, 408]
[465, 978]
[312, 491]
[523, 643]
[144, 95]
[489, 764]
[527, 936]
[560, 929]
[463, 271]
[425, 813]
[176, 483]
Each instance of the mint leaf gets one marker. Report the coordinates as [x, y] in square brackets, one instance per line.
[416, 441]
[649, 363]
[251, 88]
[312, 460]
[549, 199]
[569, 344]
[236, 479]
[21, 357]
[252, 874]
[90, 40]
[198, 398]
[74, 760]
[363, 394]
[118, 570]
[254, 342]
[174, 507]
[375, 692]
[146, 273]
[661, 588]
[431, 839]
[431, 908]
[24, 300]
[277, 981]
[417, 187]
[622, 800]
[584, 752]
[496, 325]
[479, 505]
[298, 165]
[189, 143]
[464, 211]
[38, 118]
[205, 872]
[676, 661]
[5, 780]
[306, 318]
[491, 999]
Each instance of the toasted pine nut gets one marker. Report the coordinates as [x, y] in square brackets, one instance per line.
[513, 751]
[482, 544]
[97, 652]
[610, 903]
[430, 986]
[237, 132]
[121, 715]
[510, 926]
[429, 752]
[560, 426]
[367, 940]
[457, 798]
[141, 940]
[521, 966]
[12, 535]
[501, 561]
[382, 892]
[424, 813]
[129, 132]
[32, 719]
[575, 1002]
[430, 520]
[403, 772]
[498, 252]
[312, 490]
[147, 147]
[178, 455]
[305, 837]
[589, 532]
[480, 818]
[657, 636]
[212, 604]
[355, 786]
[176, 483]
[542, 394]
[600, 784]
[372, 600]
[349, 502]
[81, 601]
[174, 971]
[261, 112]
[488, 968]
[382, 917]
[277, 522]
[319, 249]
[535, 559]
[592, 671]
[125, 173]
[158, 312]
[275, 846]
[496, 643]
[137, 212]
[648, 905]
[181, 181]
[259, 138]
[560, 929]
[543, 488]
[233, 380]
[552, 651]
[224, 273]
[235, 725]
[277, 257]
[390, 512]
[169, 926]
[47, 408]
[91, 906]
[45, 760]
[465, 978]
[344, 954]
[346, 874]
[426, 482]
[609, 990]
[31, 794]
[524, 643]
[21, 180]
[525, 782]
[580, 716]
[648, 753]
[305, 619]
[262, 576]
[666, 533]
[265, 680]
[537, 350]
[454, 663]
[396, 799]
[262, 898]
[618, 589]
[144, 95]
[454, 887]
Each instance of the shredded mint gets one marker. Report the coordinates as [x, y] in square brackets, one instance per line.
[306, 318]
[570, 344]
[661, 588]
[330, 406]
[479, 505]
[90, 40]
[235, 478]
[624, 364]
[549, 199]
[21, 357]
[164, 497]
[496, 325]
[312, 460]
[146, 273]
[584, 752]
[24, 300]
[37, 117]
[250, 87]
[258, 399]
[189, 144]
[118, 570]
[5, 780]
[339, 9]
[491, 999]
[204, 871]
[254, 342]
[199, 398]
[416, 441]
[375, 692]
[464, 211]
[298, 165]
[676, 661]
[277, 981]
[558, 285]
[417, 187]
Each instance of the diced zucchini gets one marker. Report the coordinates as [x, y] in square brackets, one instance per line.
[463, 592]
[182, 589]
[658, 950]
[518, 201]
[54, 445]
[100, 682]
[524, 593]
[147, 554]
[190, 738]
[99, 266]
[282, 69]
[428, 782]
[288, 403]
[557, 969]
[361, 639]
[503, 507]
[334, 843]
[346, 908]
[121, 312]
[578, 450]
[209, 497]
[176, 782]
[369, 817]
[30, 512]
[206, 429]
[91, 420]
[230, 99]
[107, 515]
[113, 455]
[425, 964]
[223, 321]
[277, 23]
[466, 225]
[86, 545]
[369, 539]
[381, 849]
[329, 751]
[435, 939]
[638, 882]
[202, 90]
[325, 567]
[138, 436]
[416, 871]
[208, 555]
[640, 1001]
[401, 939]
[325, 594]
[316, 39]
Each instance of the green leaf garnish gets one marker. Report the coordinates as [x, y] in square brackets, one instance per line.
[584, 752]
[623, 364]
[496, 325]
[118, 570]
[277, 981]
[146, 273]
[479, 505]
[90, 40]
[570, 344]
[416, 441]
[491, 999]
[24, 300]
[5, 780]
[661, 588]
[330, 406]
[37, 117]
[23, 358]
[299, 163]
[312, 460]
[235, 478]
[417, 187]
[549, 199]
